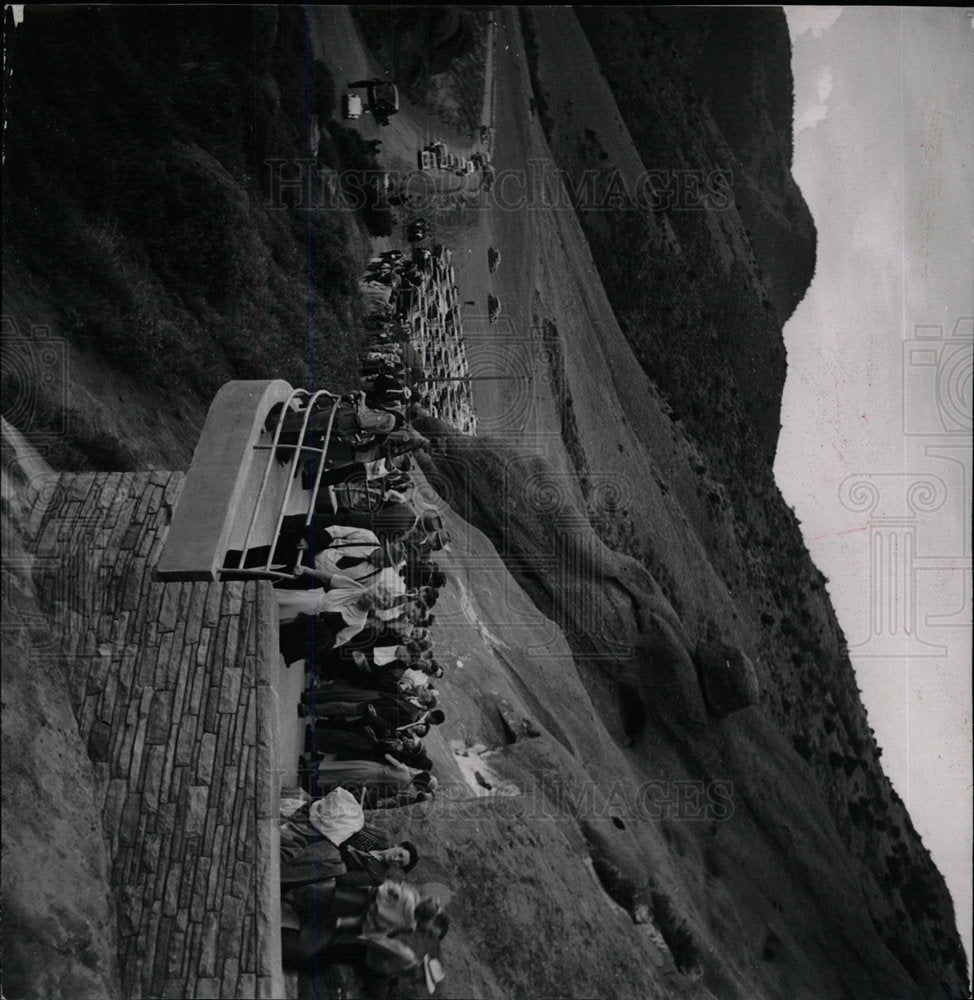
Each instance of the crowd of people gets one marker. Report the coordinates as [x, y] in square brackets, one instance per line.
[359, 581]
[420, 291]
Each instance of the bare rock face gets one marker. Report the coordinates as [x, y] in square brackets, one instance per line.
[672, 677]
[727, 676]
[516, 725]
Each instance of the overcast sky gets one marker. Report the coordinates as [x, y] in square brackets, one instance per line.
[879, 384]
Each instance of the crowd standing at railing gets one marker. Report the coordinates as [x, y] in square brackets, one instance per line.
[356, 582]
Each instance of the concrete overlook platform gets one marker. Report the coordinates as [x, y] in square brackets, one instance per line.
[171, 685]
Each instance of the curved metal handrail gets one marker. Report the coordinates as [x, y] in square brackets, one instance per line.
[285, 409]
[299, 450]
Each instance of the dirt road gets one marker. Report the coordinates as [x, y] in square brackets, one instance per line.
[505, 222]
[469, 225]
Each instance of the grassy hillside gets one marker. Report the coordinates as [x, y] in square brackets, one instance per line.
[139, 205]
[694, 309]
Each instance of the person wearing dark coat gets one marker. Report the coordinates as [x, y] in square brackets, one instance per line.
[385, 681]
[318, 861]
[309, 637]
[366, 858]
[384, 712]
[348, 701]
[357, 740]
[364, 744]
[380, 384]
[369, 857]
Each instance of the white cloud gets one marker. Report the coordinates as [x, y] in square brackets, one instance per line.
[816, 20]
[812, 109]
[823, 86]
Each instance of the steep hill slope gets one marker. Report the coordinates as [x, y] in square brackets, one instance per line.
[740, 70]
[771, 599]
[678, 791]
[156, 220]
[685, 785]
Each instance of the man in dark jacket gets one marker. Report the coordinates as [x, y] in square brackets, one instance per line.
[369, 857]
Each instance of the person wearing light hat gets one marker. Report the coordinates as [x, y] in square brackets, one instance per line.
[399, 908]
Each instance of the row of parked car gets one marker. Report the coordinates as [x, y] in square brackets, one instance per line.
[436, 156]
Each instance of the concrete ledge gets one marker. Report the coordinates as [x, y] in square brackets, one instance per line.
[270, 972]
[214, 497]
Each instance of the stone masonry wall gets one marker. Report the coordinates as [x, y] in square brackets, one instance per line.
[171, 689]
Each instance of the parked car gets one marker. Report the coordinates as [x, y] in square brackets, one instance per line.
[383, 98]
[493, 259]
[417, 230]
[437, 150]
[351, 106]
[493, 308]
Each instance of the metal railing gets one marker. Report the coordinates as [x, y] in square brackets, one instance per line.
[300, 451]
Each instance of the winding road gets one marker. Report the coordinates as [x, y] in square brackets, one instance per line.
[465, 218]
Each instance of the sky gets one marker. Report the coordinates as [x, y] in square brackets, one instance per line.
[875, 452]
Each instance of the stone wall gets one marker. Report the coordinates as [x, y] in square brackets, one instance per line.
[171, 686]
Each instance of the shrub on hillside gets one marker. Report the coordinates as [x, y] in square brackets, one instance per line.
[135, 189]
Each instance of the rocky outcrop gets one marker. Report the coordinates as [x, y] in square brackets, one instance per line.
[697, 826]
[727, 677]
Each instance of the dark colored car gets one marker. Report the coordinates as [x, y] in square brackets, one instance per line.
[493, 308]
[417, 230]
[383, 98]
